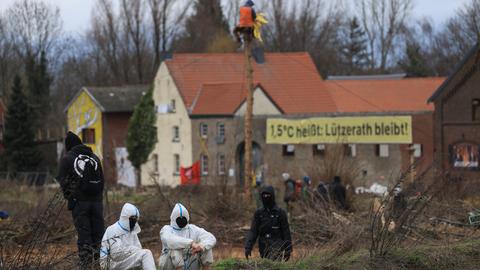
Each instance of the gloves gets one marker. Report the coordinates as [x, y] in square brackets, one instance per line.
[248, 253]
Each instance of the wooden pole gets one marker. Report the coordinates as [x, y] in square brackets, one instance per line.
[248, 119]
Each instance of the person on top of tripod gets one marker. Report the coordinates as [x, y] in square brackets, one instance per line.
[246, 23]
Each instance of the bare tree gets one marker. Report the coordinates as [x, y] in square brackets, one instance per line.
[167, 16]
[134, 27]
[310, 25]
[34, 26]
[383, 22]
[104, 35]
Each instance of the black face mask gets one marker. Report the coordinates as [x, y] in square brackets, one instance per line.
[132, 221]
[267, 200]
[181, 222]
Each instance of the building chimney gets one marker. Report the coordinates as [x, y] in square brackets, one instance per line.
[259, 54]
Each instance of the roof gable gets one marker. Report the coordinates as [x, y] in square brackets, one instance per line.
[290, 79]
[466, 63]
[117, 99]
[222, 99]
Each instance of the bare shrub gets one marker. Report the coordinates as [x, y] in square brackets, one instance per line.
[389, 227]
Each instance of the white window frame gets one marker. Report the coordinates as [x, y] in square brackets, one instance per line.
[383, 150]
[417, 150]
[176, 164]
[288, 150]
[203, 130]
[221, 164]
[352, 150]
[320, 149]
[176, 134]
[204, 164]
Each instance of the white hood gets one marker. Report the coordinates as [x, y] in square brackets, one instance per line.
[129, 210]
[178, 211]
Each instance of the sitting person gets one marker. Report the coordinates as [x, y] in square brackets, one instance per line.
[185, 244]
[121, 248]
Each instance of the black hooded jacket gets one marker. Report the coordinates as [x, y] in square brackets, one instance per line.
[270, 226]
[68, 176]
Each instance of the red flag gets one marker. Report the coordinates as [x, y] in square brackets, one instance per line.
[190, 175]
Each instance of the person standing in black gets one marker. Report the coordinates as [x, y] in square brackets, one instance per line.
[270, 225]
[81, 178]
[339, 193]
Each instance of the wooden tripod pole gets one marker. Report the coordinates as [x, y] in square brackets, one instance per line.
[248, 120]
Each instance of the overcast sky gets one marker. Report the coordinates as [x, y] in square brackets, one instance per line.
[76, 13]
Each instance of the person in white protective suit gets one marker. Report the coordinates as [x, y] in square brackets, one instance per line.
[121, 248]
[185, 245]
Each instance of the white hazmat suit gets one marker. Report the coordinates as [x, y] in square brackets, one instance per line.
[121, 248]
[177, 242]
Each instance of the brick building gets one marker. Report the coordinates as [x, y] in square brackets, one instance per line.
[100, 116]
[457, 120]
[201, 104]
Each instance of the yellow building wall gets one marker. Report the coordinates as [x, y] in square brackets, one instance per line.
[84, 113]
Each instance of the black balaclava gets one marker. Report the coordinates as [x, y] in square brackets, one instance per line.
[71, 141]
[181, 222]
[267, 200]
[132, 222]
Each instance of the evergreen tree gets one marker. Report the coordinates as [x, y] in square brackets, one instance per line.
[21, 153]
[354, 48]
[39, 81]
[415, 64]
[204, 27]
[142, 132]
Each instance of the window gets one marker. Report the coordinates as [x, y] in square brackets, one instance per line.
[220, 133]
[476, 110]
[382, 150]
[155, 163]
[176, 164]
[350, 150]
[173, 106]
[417, 150]
[221, 164]
[176, 134]
[221, 130]
[289, 150]
[319, 150]
[88, 136]
[203, 130]
[204, 164]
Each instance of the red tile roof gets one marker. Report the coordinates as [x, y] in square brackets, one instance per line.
[406, 95]
[290, 79]
[227, 97]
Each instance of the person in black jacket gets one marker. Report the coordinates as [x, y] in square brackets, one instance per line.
[81, 178]
[270, 225]
[339, 193]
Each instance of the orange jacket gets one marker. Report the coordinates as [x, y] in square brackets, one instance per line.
[246, 17]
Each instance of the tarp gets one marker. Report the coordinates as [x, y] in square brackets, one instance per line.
[366, 129]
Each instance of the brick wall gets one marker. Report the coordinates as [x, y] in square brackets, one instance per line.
[453, 121]
[114, 135]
